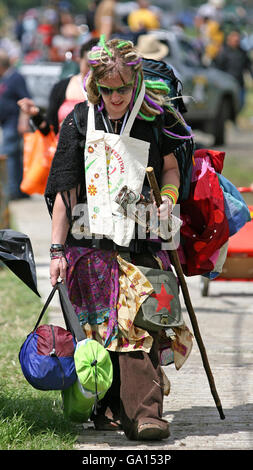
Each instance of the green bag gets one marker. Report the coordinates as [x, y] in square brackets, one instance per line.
[162, 309]
[95, 373]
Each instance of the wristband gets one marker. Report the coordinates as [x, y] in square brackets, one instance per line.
[171, 191]
[57, 247]
[57, 254]
[57, 251]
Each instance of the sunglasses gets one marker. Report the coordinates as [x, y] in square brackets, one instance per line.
[122, 90]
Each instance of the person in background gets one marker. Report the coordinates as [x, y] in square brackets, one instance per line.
[90, 16]
[143, 18]
[235, 61]
[63, 97]
[105, 19]
[210, 33]
[13, 123]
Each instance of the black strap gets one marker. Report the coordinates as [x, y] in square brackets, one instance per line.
[71, 320]
[69, 314]
[45, 306]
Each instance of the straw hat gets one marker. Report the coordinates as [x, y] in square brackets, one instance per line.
[150, 48]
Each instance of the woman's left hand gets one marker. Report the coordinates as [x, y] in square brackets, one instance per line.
[165, 209]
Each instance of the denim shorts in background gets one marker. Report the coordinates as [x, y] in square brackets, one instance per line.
[11, 146]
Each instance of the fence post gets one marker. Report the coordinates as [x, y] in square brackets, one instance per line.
[4, 208]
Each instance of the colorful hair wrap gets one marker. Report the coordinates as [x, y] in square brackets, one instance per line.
[171, 191]
[135, 62]
[146, 118]
[93, 62]
[177, 136]
[155, 105]
[157, 85]
[134, 92]
[102, 43]
[123, 43]
[101, 106]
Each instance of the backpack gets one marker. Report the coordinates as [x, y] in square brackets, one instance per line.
[158, 69]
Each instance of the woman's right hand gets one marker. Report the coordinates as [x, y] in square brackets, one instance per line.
[28, 106]
[58, 269]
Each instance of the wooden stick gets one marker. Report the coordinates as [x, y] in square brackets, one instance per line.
[178, 268]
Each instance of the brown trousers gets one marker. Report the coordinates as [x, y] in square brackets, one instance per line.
[136, 394]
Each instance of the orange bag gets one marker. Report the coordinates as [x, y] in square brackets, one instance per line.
[38, 154]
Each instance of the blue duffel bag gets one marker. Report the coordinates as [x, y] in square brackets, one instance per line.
[236, 209]
[47, 355]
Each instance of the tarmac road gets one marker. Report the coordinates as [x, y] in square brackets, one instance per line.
[225, 320]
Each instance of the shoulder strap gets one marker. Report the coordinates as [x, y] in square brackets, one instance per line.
[134, 111]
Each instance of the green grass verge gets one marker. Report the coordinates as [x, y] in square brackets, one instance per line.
[29, 419]
[239, 175]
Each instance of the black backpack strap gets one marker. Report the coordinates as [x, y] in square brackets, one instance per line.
[79, 121]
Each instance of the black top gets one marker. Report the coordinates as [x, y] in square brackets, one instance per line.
[234, 61]
[67, 170]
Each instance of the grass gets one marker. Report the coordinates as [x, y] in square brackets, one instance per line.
[29, 419]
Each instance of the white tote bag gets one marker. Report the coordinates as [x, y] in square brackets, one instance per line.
[111, 162]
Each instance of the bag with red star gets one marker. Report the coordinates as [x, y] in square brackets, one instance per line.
[162, 309]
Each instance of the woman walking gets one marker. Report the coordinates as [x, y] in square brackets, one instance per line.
[104, 145]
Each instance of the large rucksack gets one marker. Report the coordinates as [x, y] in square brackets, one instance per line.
[157, 69]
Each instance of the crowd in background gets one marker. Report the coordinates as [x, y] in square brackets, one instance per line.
[48, 33]
[56, 35]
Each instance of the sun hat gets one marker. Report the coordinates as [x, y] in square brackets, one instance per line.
[150, 48]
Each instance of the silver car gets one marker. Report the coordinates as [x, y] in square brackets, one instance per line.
[211, 96]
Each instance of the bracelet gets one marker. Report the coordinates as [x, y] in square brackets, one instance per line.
[171, 197]
[57, 254]
[57, 251]
[57, 247]
[171, 191]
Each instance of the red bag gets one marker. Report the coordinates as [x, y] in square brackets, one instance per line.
[38, 154]
[205, 226]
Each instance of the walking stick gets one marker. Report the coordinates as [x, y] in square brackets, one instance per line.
[177, 265]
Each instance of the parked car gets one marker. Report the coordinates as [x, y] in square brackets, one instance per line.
[211, 96]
